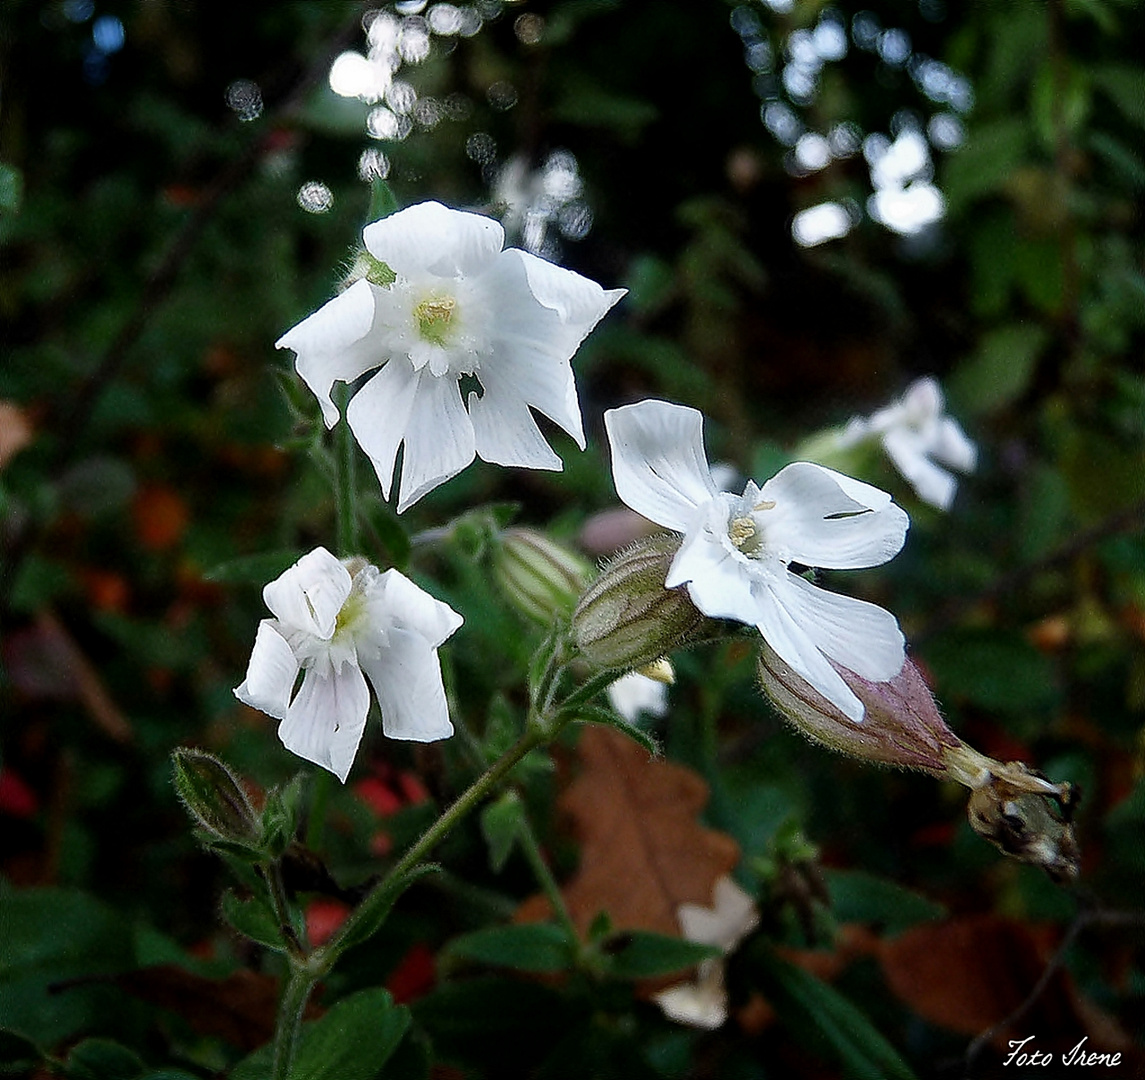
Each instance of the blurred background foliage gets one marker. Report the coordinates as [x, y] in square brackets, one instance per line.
[180, 183]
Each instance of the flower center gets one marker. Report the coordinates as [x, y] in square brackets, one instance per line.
[434, 317]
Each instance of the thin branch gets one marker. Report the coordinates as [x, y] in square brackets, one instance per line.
[1082, 921]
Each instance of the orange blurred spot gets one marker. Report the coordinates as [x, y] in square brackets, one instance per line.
[17, 799]
[378, 796]
[323, 917]
[106, 590]
[161, 517]
[1051, 634]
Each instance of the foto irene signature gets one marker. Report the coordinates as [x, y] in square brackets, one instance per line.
[1019, 1055]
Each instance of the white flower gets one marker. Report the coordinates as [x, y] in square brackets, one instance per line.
[737, 549]
[460, 307]
[703, 1001]
[634, 693]
[341, 623]
[915, 434]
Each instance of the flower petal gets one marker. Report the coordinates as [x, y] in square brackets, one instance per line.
[543, 313]
[719, 579]
[952, 446]
[397, 601]
[325, 722]
[334, 343]
[431, 237]
[504, 430]
[633, 694]
[826, 519]
[310, 594]
[932, 483]
[379, 414]
[658, 460]
[439, 438]
[862, 637]
[271, 673]
[406, 676]
[786, 635]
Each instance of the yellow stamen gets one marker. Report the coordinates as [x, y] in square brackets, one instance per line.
[766, 504]
[741, 530]
[434, 315]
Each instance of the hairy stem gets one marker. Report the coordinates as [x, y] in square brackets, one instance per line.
[345, 491]
[294, 998]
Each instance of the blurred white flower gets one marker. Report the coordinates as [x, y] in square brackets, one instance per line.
[737, 550]
[634, 693]
[915, 435]
[341, 623]
[703, 1001]
[455, 305]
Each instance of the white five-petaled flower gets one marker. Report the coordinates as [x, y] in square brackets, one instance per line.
[460, 306]
[737, 549]
[916, 435]
[341, 623]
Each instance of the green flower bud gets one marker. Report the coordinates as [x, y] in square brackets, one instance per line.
[214, 798]
[627, 619]
[540, 578]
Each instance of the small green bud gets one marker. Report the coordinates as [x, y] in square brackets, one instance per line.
[373, 270]
[626, 618]
[214, 798]
[540, 578]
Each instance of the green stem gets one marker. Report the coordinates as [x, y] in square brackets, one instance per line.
[532, 851]
[587, 691]
[374, 908]
[344, 487]
[294, 998]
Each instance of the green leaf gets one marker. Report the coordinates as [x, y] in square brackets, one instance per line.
[387, 530]
[17, 1054]
[1001, 370]
[103, 1059]
[986, 162]
[253, 919]
[1124, 85]
[822, 1018]
[281, 815]
[857, 896]
[365, 922]
[993, 669]
[526, 947]
[351, 1042]
[11, 189]
[501, 823]
[253, 569]
[383, 202]
[601, 714]
[48, 937]
[644, 955]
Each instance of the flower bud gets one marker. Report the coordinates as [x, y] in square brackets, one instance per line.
[540, 578]
[214, 798]
[1017, 809]
[901, 723]
[626, 618]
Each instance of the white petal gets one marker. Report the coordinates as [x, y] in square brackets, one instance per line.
[826, 519]
[933, 484]
[397, 601]
[310, 594]
[406, 676]
[860, 636]
[324, 724]
[732, 916]
[543, 313]
[431, 237]
[271, 673]
[791, 642]
[658, 460]
[701, 1002]
[438, 438]
[719, 579]
[504, 430]
[953, 448]
[633, 694]
[923, 399]
[579, 301]
[334, 343]
[379, 414]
